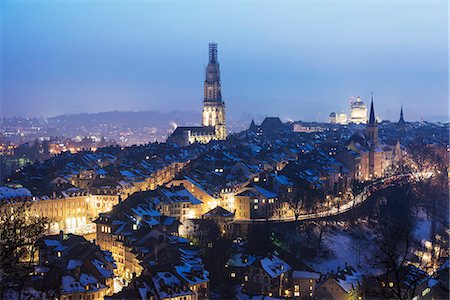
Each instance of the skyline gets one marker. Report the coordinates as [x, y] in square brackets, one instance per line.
[135, 57]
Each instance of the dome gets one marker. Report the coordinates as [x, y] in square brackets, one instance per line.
[332, 115]
[358, 103]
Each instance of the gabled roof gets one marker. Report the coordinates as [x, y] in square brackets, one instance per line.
[219, 211]
[274, 266]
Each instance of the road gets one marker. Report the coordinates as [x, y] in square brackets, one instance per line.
[334, 211]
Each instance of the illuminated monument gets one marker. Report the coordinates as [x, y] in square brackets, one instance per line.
[213, 115]
[358, 112]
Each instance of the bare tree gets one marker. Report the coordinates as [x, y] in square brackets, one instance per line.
[401, 270]
[19, 231]
[303, 198]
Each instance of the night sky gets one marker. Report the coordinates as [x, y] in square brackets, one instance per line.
[295, 60]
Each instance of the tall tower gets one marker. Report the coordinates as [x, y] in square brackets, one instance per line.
[372, 135]
[372, 126]
[213, 106]
[401, 121]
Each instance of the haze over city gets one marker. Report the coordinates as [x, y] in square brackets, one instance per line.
[224, 150]
[295, 60]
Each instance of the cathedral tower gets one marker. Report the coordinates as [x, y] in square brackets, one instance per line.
[213, 106]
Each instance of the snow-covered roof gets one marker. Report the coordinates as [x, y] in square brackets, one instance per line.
[52, 243]
[241, 260]
[265, 193]
[274, 266]
[169, 286]
[191, 273]
[9, 193]
[101, 268]
[305, 275]
[70, 285]
[73, 263]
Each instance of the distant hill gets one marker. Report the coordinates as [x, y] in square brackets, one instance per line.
[128, 118]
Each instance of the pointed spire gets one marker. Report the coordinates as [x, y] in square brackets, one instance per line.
[252, 126]
[401, 120]
[372, 119]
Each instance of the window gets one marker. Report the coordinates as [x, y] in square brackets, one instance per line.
[246, 278]
[233, 275]
[425, 291]
[391, 284]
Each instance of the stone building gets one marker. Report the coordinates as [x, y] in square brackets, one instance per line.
[366, 157]
[213, 115]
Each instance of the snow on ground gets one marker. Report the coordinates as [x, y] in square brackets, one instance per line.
[422, 230]
[345, 248]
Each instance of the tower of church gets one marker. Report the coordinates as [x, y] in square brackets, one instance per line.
[213, 106]
[372, 127]
[401, 121]
[375, 165]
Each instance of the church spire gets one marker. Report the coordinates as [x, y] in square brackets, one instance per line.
[372, 127]
[372, 119]
[401, 120]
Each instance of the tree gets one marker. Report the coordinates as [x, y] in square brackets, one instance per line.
[395, 246]
[303, 198]
[215, 260]
[19, 231]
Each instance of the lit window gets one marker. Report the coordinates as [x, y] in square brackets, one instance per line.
[310, 287]
[391, 284]
[245, 278]
[425, 291]
[233, 274]
[297, 294]
[310, 294]
[255, 207]
[59, 254]
[135, 227]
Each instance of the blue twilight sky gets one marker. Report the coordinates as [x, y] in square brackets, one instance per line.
[293, 59]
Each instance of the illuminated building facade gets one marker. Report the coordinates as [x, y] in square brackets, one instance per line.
[365, 157]
[213, 115]
[358, 112]
[72, 213]
[336, 118]
[213, 106]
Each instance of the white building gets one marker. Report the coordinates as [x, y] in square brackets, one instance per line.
[358, 112]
